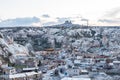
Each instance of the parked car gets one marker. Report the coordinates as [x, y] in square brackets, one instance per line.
[51, 74]
[44, 70]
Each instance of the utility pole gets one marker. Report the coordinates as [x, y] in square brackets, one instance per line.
[87, 23]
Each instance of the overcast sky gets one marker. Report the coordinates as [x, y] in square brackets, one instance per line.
[98, 12]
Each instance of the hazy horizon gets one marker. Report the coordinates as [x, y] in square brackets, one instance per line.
[51, 12]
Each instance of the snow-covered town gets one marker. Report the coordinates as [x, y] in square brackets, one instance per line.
[60, 52]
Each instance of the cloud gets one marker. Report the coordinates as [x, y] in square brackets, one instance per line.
[49, 23]
[113, 12]
[72, 19]
[57, 20]
[44, 20]
[46, 16]
[26, 21]
[109, 20]
[111, 17]
[62, 19]
[83, 19]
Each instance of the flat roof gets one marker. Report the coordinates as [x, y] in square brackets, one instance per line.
[68, 78]
[33, 68]
[20, 75]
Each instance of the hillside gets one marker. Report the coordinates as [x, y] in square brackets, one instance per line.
[10, 51]
[98, 40]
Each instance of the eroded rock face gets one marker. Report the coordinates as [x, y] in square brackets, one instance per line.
[10, 50]
[100, 40]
